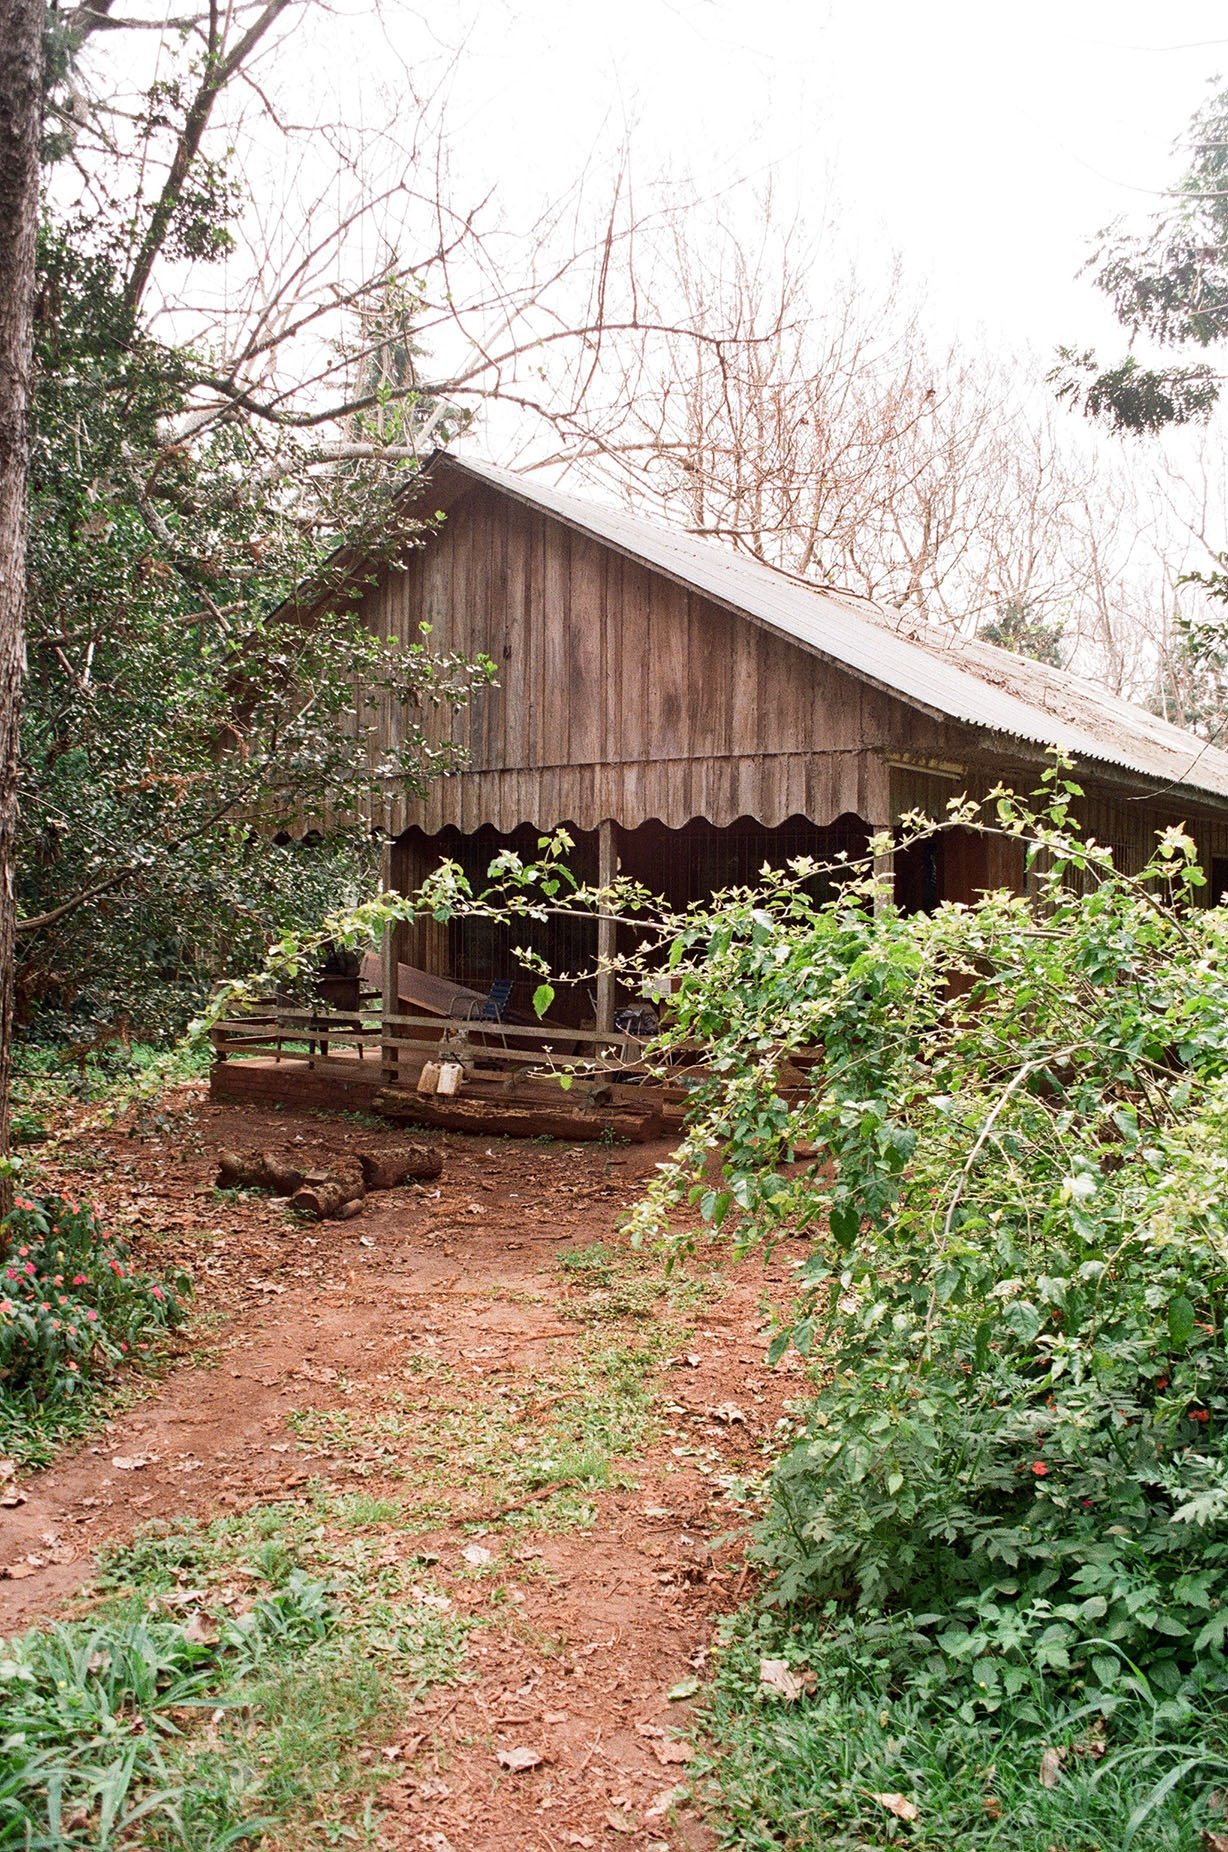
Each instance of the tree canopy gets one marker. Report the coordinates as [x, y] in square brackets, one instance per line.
[1167, 282]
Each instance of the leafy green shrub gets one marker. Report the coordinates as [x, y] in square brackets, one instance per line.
[1019, 1264]
[71, 1305]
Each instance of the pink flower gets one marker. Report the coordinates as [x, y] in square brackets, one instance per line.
[93, 1317]
[70, 1366]
[6, 1305]
[1039, 1468]
[10, 1273]
[44, 1307]
[80, 1279]
[123, 1346]
[158, 1293]
[29, 1269]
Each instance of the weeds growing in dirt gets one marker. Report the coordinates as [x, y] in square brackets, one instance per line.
[227, 1682]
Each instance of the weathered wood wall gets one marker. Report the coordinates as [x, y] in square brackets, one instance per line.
[621, 694]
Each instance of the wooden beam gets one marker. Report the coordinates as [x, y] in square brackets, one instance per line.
[607, 869]
[884, 872]
[389, 1058]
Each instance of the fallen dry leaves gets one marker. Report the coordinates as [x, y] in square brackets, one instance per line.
[1051, 1767]
[778, 1679]
[899, 1805]
[519, 1759]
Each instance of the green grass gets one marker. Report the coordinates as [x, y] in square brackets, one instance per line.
[32, 1433]
[47, 1080]
[803, 1775]
[226, 1681]
[625, 1286]
[468, 1452]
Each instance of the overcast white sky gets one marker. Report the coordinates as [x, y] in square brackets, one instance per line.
[986, 142]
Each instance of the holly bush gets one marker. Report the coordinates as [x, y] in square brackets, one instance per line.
[72, 1306]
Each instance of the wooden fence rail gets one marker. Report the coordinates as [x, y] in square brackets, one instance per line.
[316, 1037]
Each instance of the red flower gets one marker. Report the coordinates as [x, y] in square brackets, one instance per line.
[1039, 1468]
[1199, 1414]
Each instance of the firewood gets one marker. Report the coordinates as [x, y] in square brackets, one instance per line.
[384, 1170]
[259, 1170]
[325, 1196]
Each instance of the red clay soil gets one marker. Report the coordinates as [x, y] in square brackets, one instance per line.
[605, 1620]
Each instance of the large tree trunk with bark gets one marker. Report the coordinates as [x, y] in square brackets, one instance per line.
[21, 100]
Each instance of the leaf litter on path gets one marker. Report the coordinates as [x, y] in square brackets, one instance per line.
[579, 1630]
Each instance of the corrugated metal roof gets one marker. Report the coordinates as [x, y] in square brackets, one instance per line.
[926, 665]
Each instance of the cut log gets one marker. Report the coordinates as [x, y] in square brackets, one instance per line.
[530, 1120]
[259, 1170]
[323, 1196]
[384, 1170]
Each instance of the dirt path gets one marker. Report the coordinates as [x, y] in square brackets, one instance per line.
[412, 1356]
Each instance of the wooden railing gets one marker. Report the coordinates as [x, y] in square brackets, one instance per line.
[335, 1039]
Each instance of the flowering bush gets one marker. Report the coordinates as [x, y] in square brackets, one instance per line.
[1018, 1267]
[71, 1305]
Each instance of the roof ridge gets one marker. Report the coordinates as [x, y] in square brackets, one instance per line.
[938, 671]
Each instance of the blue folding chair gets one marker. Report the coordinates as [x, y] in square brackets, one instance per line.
[493, 1004]
[489, 1008]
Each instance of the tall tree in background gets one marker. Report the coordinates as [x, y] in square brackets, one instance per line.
[258, 310]
[1168, 284]
[21, 94]
[839, 442]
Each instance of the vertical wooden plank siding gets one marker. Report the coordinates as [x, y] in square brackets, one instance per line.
[607, 868]
[622, 695]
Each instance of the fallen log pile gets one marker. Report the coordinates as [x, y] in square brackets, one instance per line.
[329, 1184]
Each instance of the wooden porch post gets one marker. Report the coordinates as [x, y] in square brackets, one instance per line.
[884, 872]
[607, 869]
[389, 1053]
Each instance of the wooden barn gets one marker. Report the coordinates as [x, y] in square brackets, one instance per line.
[689, 714]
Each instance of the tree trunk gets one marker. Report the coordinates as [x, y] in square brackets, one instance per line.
[21, 101]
